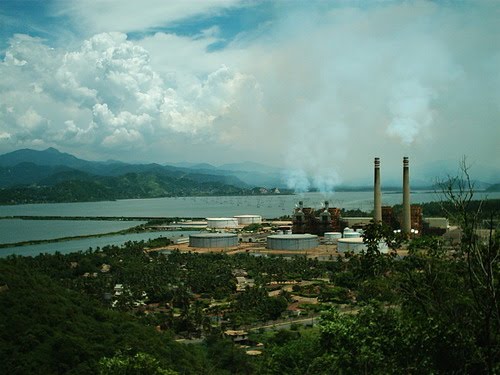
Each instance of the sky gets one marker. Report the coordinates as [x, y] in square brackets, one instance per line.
[318, 88]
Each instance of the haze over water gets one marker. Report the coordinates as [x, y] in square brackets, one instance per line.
[267, 206]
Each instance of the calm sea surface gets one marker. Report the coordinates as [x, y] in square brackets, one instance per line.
[268, 206]
[198, 207]
[84, 244]
[17, 230]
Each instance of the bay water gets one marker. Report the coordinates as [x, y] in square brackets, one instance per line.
[268, 206]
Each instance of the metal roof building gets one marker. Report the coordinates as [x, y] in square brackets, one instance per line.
[211, 240]
[292, 241]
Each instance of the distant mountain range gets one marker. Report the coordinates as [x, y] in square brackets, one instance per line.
[51, 161]
[52, 176]
[30, 176]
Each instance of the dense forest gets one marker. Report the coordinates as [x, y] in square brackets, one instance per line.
[81, 187]
[426, 307]
[379, 314]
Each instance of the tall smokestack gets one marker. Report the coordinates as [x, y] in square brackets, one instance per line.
[406, 229]
[377, 195]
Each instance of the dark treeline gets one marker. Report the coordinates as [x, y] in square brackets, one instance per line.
[127, 186]
[418, 314]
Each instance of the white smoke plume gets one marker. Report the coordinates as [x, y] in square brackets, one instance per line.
[318, 89]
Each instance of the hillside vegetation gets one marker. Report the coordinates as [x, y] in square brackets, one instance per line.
[29, 176]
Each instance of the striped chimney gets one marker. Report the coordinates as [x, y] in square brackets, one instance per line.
[406, 228]
[377, 195]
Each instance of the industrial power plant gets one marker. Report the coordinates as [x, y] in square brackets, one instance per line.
[310, 229]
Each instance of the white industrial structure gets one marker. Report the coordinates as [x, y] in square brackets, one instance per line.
[221, 222]
[356, 245]
[332, 237]
[350, 233]
[248, 219]
[437, 222]
[292, 242]
[211, 240]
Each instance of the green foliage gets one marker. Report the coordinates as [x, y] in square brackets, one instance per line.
[255, 305]
[46, 328]
[291, 353]
[445, 209]
[138, 364]
[227, 357]
[252, 227]
[127, 186]
[433, 311]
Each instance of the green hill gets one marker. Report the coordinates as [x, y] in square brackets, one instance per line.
[74, 186]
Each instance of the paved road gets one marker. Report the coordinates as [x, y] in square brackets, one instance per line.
[287, 324]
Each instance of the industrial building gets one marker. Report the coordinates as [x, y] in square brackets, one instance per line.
[356, 222]
[332, 237]
[435, 226]
[307, 220]
[292, 241]
[351, 233]
[248, 219]
[356, 245]
[213, 240]
[221, 222]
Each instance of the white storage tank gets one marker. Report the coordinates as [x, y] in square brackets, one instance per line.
[248, 219]
[222, 222]
[210, 240]
[356, 245]
[332, 237]
[292, 242]
[352, 234]
[437, 222]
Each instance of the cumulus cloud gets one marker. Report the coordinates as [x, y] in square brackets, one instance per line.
[319, 91]
[104, 93]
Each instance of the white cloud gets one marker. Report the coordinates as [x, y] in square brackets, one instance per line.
[320, 92]
[123, 138]
[99, 16]
[105, 93]
[30, 120]
[4, 136]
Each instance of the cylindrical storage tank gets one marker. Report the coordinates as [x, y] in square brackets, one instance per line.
[248, 219]
[292, 242]
[356, 245]
[210, 240]
[332, 237]
[222, 222]
[352, 234]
